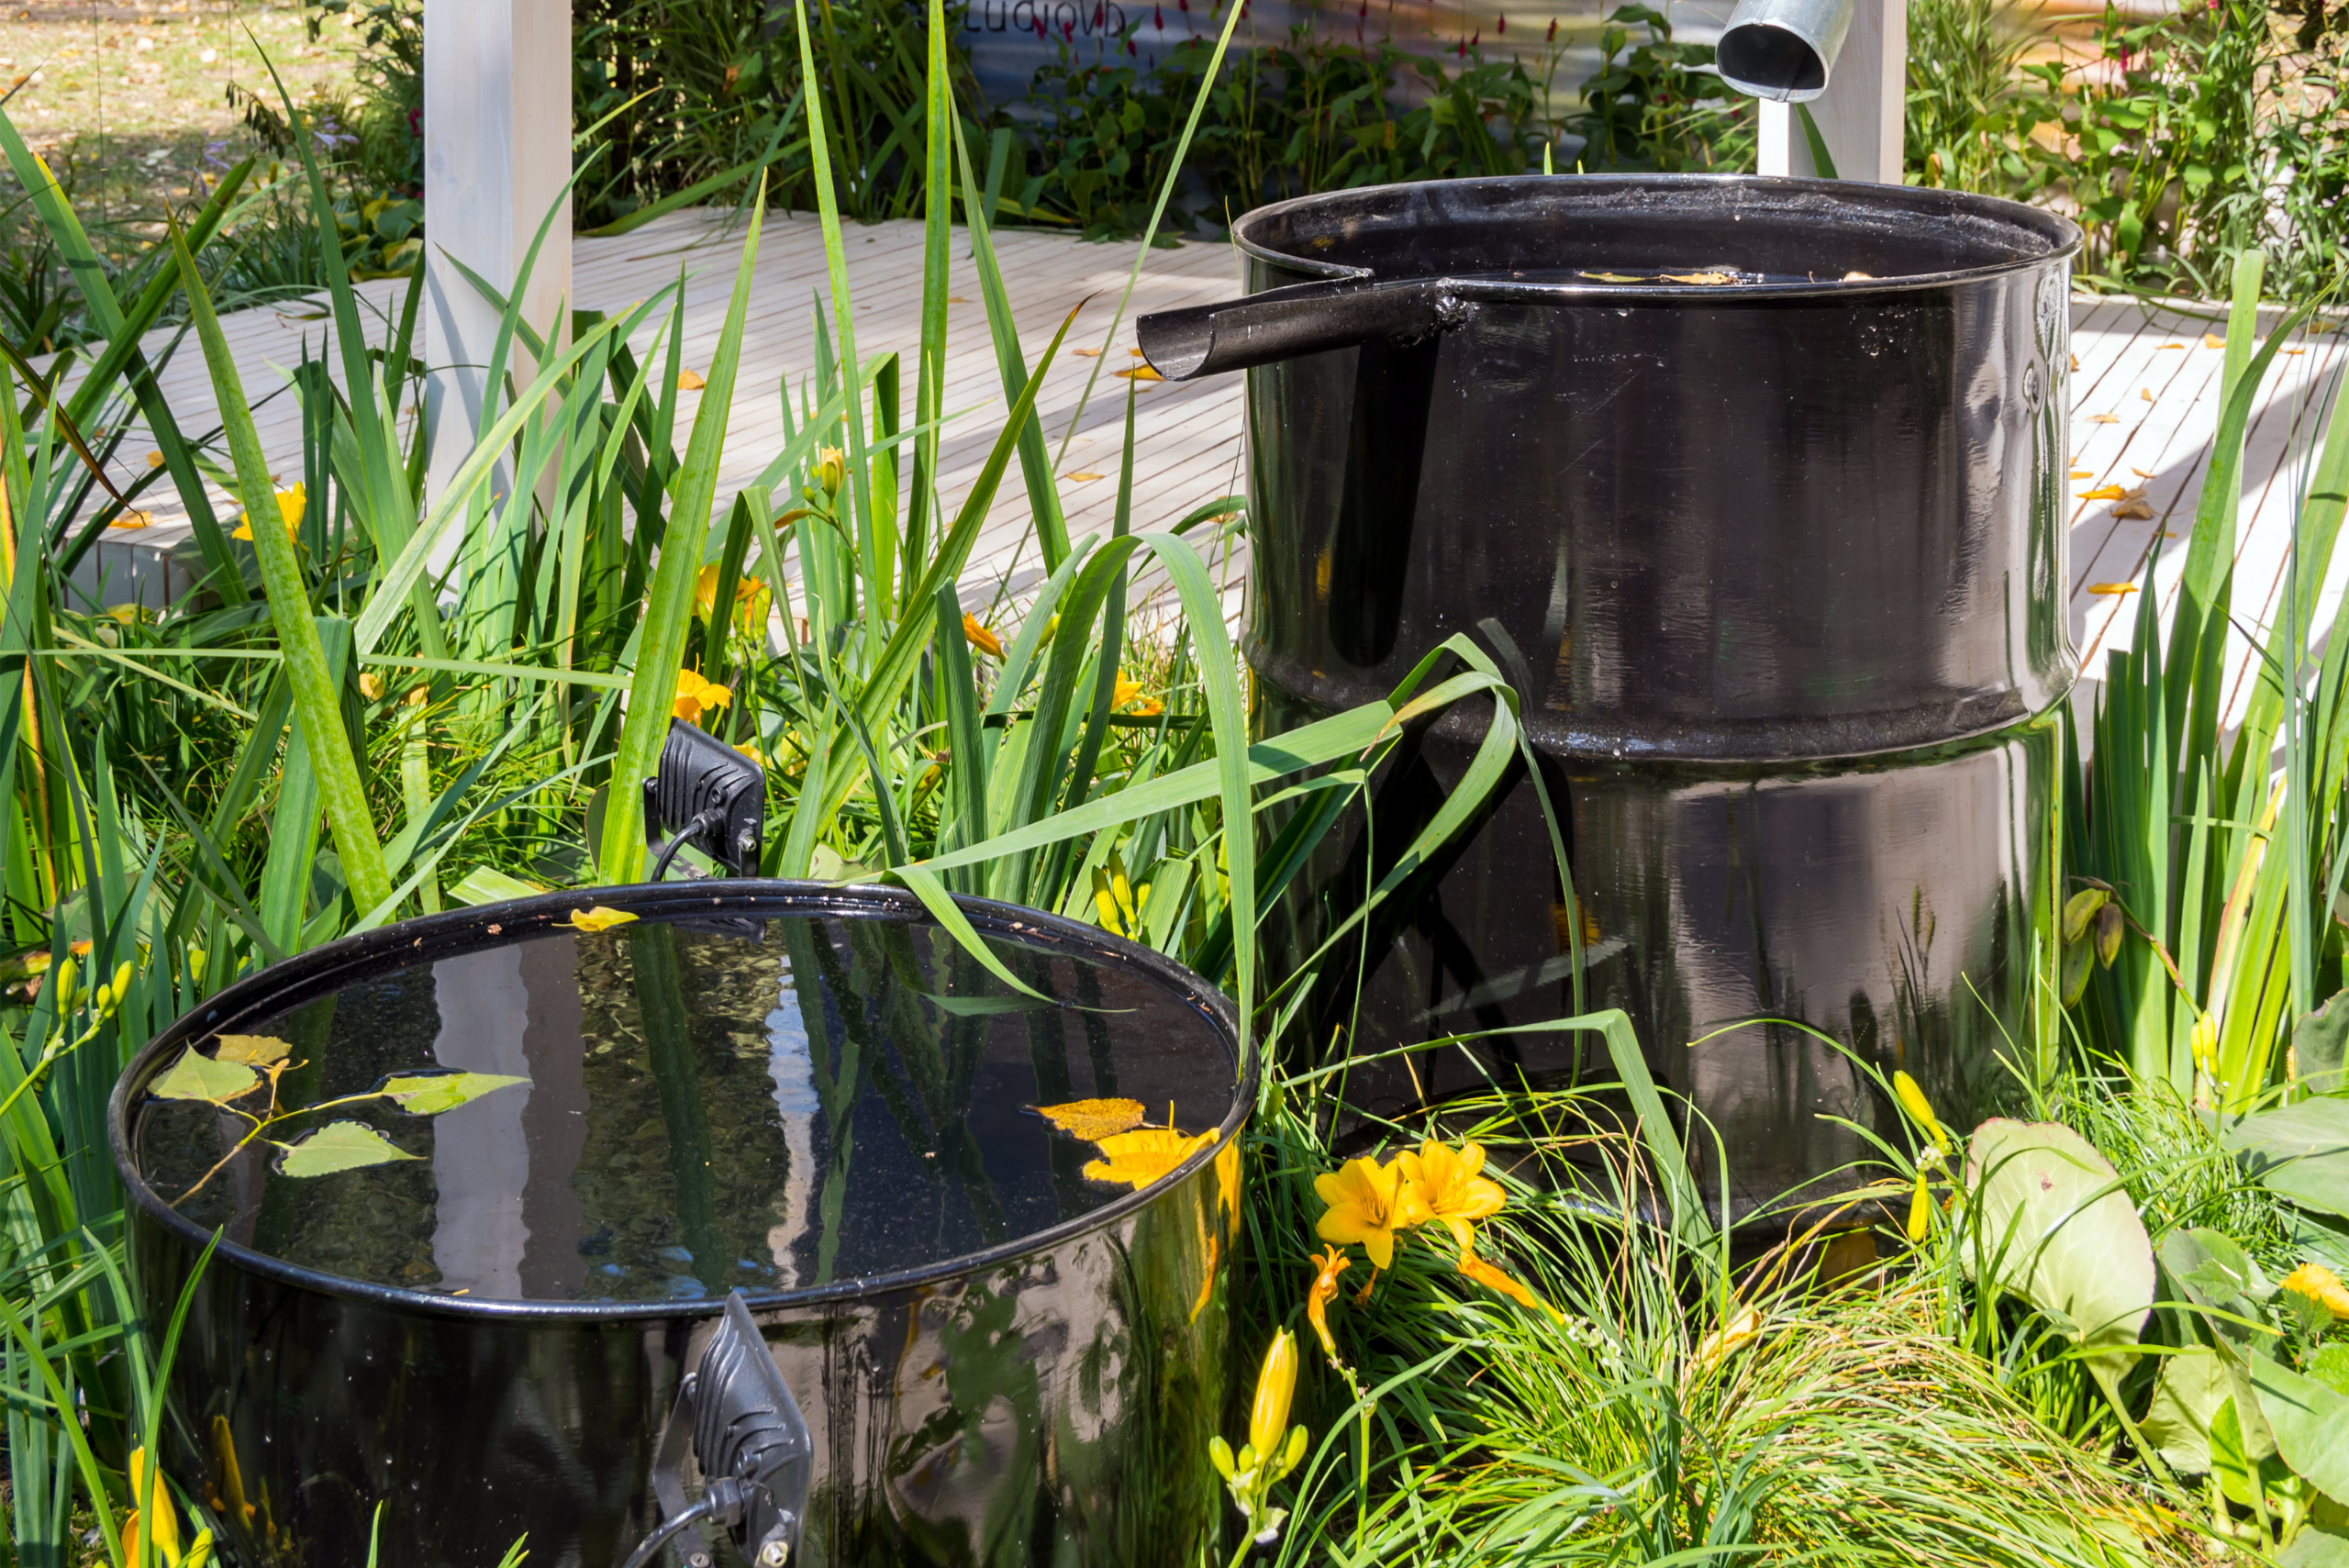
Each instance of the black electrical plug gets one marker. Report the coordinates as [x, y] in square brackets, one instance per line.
[706, 795]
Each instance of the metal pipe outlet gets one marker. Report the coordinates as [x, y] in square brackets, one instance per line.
[1783, 49]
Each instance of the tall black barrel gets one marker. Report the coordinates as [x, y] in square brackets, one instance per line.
[1756, 489]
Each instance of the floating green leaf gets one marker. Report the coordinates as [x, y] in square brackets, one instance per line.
[429, 1094]
[195, 1076]
[341, 1145]
[253, 1050]
[2057, 1228]
[2301, 1151]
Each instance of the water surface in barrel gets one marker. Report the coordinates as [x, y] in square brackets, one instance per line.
[772, 1104]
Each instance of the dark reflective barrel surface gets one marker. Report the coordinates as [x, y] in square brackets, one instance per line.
[1776, 564]
[810, 1095]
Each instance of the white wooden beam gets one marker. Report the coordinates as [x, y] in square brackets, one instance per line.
[1859, 115]
[496, 154]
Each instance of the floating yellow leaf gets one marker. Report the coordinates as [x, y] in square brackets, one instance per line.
[1080, 478]
[290, 504]
[2134, 509]
[690, 380]
[980, 637]
[1138, 1159]
[2111, 589]
[695, 696]
[129, 522]
[1094, 1120]
[2321, 1285]
[2212, 340]
[1139, 372]
[253, 1050]
[602, 917]
[1706, 280]
[1610, 277]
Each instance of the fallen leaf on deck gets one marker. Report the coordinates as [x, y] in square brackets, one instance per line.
[2138, 509]
[2212, 340]
[1086, 353]
[956, 299]
[2296, 350]
[1139, 372]
[129, 522]
[1137, 353]
[2105, 493]
[2140, 473]
[1094, 1120]
[2076, 361]
[1082, 477]
[2146, 392]
[2104, 419]
[2111, 588]
[1705, 280]
[2083, 473]
[154, 460]
[688, 381]
[2169, 345]
[600, 919]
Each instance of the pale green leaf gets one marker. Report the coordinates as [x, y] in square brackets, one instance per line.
[341, 1145]
[2310, 1423]
[195, 1076]
[429, 1094]
[253, 1050]
[2300, 1151]
[2186, 1397]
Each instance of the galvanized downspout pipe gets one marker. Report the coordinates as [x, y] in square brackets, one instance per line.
[1783, 49]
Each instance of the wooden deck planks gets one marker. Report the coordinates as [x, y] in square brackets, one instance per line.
[1189, 445]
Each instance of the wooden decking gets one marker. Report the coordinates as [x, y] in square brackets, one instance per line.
[2145, 402]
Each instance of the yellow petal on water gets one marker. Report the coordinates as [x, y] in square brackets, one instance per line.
[602, 917]
[1705, 280]
[1080, 478]
[2212, 340]
[1138, 1159]
[2104, 419]
[2134, 509]
[1610, 277]
[1139, 372]
[690, 380]
[1094, 1120]
[2112, 588]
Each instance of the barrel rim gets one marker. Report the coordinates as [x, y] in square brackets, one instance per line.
[2063, 236]
[371, 950]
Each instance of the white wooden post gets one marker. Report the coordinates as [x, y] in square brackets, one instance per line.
[1859, 115]
[496, 153]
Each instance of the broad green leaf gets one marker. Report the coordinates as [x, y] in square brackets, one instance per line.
[2316, 1547]
[429, 1094]
[195, 1076]
[2056, 1227]
[2193, 1385]
[2236, 1467]
[2321, 1046]
[253, 1050]
[2299, 1151]
[2310, 1423]
[341, 1145]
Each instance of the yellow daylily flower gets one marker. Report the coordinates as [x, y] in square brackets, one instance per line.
[980, 637]
[1276, 1384]
[1118, 901]
[602, 917]
[1332, 1263]
[1140, 1158]
[1743, 1326]
[291, 503]
[164, 1534]
[1450, 1189]
[1128, 692]
[1492, 1278]
[1369, 1203]
[694, 695]
[2321, 1285]
[751, 598]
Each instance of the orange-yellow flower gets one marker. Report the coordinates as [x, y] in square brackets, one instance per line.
[1325, 1290]
[291, 503]
[166, 1535]
[1142, 1157]
[1129, 694]
[1369, 1203]
[1492, 1278]
[1450, 1188]
[980, 637]
[695, 696]
[2321, 1285]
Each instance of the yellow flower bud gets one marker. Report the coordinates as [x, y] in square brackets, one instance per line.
[1912, 1100]
[1921, 1211]
[2205, 1040]
[1276, 1382]
[122, 977]
[832, 469]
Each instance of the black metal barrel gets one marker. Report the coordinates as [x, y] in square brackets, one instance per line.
[1756, 489]
[808, 1100]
